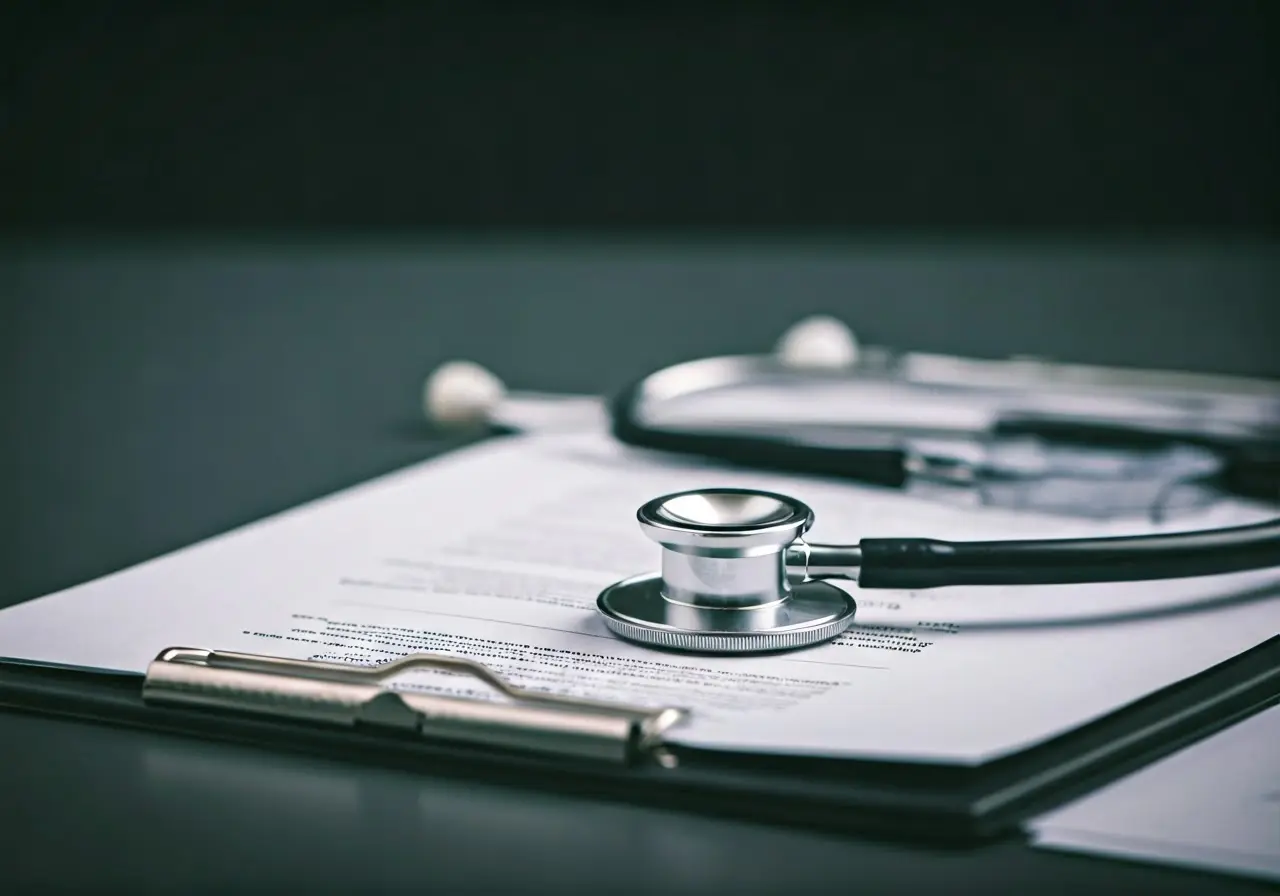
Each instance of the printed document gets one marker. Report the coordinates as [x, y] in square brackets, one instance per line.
[1214, 805]
[498, 552]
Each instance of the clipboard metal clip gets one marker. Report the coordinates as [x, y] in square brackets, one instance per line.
[357, 697]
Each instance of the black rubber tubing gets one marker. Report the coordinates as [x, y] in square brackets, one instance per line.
[915, 563]
[912, 563]
[886, 466]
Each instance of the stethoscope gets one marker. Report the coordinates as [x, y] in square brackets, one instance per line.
[985, 426]
[737, 575]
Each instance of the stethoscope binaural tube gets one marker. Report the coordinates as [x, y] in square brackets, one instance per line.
[876, 459]
[1248, 458]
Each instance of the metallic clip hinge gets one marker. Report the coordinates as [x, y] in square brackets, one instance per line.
[351, 696]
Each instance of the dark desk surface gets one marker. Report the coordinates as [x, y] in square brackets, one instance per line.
[157, 396]
[90, 807]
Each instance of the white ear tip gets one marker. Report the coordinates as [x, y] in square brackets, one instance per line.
[819, 341]
[461, 393]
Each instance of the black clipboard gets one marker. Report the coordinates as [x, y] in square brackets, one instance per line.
[621, 752]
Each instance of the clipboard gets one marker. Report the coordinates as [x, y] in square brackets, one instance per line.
[622, 752]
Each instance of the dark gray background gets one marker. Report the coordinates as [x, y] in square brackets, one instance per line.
[157, 393]
[1063, 116]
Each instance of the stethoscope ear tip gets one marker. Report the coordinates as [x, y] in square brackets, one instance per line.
[461, 393]
[819, 341]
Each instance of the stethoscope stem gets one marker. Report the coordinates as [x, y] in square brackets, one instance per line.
[816, 562]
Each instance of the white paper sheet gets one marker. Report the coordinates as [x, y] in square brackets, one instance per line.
[1214, 805]
[498, 552]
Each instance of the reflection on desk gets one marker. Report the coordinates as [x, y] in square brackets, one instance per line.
[1214, 805]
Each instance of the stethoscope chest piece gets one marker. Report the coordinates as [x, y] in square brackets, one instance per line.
[724, 585]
